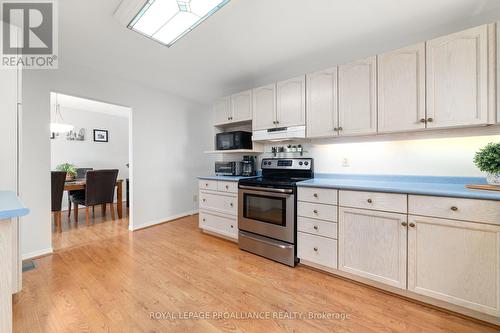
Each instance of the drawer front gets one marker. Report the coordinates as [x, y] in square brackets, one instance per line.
[317, 227]
[484, 211]
[317, 195]
[222, 203]
[317, 249]
[317, 211]
[207, 184]
[225, 186]
[222, 224]
[389, 202]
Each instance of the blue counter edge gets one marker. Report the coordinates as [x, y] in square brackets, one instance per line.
[11, 206]
[419, 185]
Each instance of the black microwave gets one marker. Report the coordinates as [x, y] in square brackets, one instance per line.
[233, 140]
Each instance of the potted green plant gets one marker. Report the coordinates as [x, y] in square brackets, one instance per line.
[70, 170]
[488, 160]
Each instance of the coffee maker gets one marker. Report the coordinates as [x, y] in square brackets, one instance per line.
[248, 166]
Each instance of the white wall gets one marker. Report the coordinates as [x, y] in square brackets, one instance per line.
[89, 154]
[169, 135]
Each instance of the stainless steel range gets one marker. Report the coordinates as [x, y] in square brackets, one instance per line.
[267, 218]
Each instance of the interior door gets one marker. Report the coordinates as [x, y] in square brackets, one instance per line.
[358, 97]
[322, 111]
[241, 106]
[264, 107]
[457, 79]
[373, 245]
[222, 109]
[457, 262]
[291, 102]
[401, 89]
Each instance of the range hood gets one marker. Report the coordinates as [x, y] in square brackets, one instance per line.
[280, 133]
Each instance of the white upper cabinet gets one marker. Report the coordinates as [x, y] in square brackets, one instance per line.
[358, 97]
[457, 79]
[264, 107]
[222, 109]
[291, 102]
[401, 89]
[241, 106]
[322, 101]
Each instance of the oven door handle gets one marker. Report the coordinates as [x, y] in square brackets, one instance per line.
[263, 240]
[266, 189]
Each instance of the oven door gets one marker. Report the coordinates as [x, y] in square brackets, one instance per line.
[268, 212]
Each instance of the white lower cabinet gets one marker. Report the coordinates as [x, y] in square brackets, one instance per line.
[454, 261]
[219, 208]
[317, 249]
[373, 245]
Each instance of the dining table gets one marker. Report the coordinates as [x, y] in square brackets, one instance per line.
[79, 184]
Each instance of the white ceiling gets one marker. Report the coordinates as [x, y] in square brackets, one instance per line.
[68, 102]
[251, 42]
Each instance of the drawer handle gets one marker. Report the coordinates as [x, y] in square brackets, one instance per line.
[315, 249]
[404, 224]
[315, 195]
[369, 200]
[206, 184]
[227, 187]
[232, 226]
[203, 220]
[412, 225]
[315, 227]
[454, 208]
[231, 204]
[203, 200]
[315, 211]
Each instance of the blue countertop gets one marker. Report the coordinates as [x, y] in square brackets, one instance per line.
[423, 185]
[11, 206]
[226, 178]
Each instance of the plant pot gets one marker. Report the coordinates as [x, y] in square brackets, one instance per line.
[69, 177]
[493, 179]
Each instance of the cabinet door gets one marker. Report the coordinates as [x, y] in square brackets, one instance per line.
[241, 106]
[291, 102]
[264, 107]
[401, 89]
[373, 245]
[358, 97]
[222, 109]
[454, 261]
[322, 102]
[457, 79]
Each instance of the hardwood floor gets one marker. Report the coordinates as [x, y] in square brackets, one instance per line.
[76, 234]
[112, 284]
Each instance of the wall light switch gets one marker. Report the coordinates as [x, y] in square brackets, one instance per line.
[345, 163]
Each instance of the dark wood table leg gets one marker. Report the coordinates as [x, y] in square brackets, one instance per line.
[119, 198]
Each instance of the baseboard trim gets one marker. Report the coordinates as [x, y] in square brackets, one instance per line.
[163, 220]
[36, 254]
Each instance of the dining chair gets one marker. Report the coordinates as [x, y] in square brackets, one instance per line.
[99, 190]
[80, 174]
[57, 189]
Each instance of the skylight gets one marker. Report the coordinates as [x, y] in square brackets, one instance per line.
[166, 21]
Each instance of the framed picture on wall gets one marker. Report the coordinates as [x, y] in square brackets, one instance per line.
[100, 135]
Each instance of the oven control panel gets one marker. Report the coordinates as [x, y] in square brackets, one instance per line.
[287, 163]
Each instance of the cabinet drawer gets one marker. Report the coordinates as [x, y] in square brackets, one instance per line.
[318, 195]
[222, 203]
[317, 211]
[224, 186]
[389, 202]
[317, 249]
[222, 224]
[484, 211]
[317, 227]
[207, 184]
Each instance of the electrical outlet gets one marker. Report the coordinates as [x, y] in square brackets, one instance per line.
[195, 198]
[345, 163]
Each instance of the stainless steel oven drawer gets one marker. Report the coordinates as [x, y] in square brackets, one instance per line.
[266, 247]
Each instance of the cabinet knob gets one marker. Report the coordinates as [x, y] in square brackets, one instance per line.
[203, 220]
[203, 200]
[315, 211]
[206, 184]
[340, 128]
[404, 224]
[315, 195]
[430, 120]
[227, 187]
[277, 122]
[423, 120]
[315, 227]
[335, 129]
[454, 208]
[369, 200]
[228, 118]
[412, 225]
[231, 204]
[232, 226]
[315, 249]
